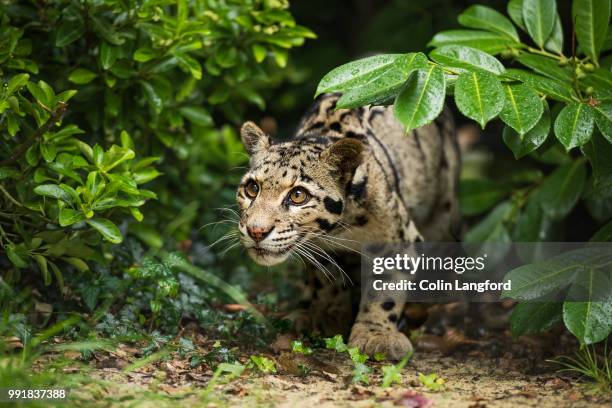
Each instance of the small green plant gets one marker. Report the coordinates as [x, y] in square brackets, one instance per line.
[393, 373]
[586, 362]
[432, 381]
[263, 364]
[336, 343]
[297, 346]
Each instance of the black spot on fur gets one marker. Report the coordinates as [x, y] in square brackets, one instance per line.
[317, 283]
[366, 309]
[388, 305]
[357, 190]
[324, 224]
[284, 173]
[361, 220]
[393, 317]
[418, 239]
[333, 206]
[447, 206]
[336, 127]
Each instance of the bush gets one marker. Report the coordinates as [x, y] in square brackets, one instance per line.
[556, 109]
[103, 97]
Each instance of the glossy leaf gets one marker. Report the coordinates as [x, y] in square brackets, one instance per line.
[603, 118]
[53, 191]
[535, 317]
[491, 43]
[574, 125]
[107, 229]
[589, 318]
[82, 76]
[466, 58]
[561, 190]
[515, 11]
[522, 108]
[486, 18]
[68, 216]
[539, 18]
[385, 86]
[108, 55]
[550, 87]
[479, 96]
[522, 145]
[592, 18]
[356, 73]
[422, 99]
[548, 67]
[555, 41]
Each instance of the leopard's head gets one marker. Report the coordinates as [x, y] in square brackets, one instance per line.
[293, 191]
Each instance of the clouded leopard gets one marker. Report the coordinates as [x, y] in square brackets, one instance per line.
[346, 178]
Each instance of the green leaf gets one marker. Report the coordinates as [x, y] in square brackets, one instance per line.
[491, 43]
[39, 94]
[574, 125]
[604, 234]
[515, 11]
[189, 65]
[556, 90]
[603, 118]
[590, 319]
[548, 67]
[82, 76]
[539, 18]
[479, 95]
[43, 267]
[478, 195]
[591, 18]
[422, 98]
[492, 228]
[108, 55]
[71, 28]
[486, 18]
[197, 115]
[259, 52]
[469, 58]
[522, 145]
[601, 81]
[144, 54]
[68, 216]
[18, 255]
[356, 73]
[535, 317]
[105, 30]
[16, 82]
[561, 190]
[385, 86]
[53, 191]
[115, 156]
[153, 98]
[555, 41]
[522, 107]
[107, 229]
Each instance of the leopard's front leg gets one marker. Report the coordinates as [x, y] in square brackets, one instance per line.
[375, 329]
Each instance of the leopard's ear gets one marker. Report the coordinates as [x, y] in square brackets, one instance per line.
[345, 155]
[253, 138]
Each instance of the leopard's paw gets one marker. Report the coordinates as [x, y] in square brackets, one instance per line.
[372, 340]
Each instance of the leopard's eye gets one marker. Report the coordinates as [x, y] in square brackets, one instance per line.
[251, 189]
[299, 196]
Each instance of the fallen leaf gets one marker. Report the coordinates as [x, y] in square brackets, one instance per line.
[413, 399]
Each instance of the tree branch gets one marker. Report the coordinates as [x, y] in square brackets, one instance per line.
[56, 115]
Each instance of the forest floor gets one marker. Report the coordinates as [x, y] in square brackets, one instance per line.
[492, 370]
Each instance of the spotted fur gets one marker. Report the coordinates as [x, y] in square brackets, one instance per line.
[368, 181]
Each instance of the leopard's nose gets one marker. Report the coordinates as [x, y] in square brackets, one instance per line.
[259, 233]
